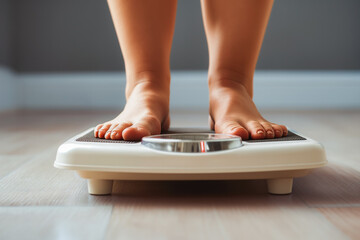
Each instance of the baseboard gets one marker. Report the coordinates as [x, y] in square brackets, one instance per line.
[308, 89]
[72, 90]
[8, 89]
[273, 90]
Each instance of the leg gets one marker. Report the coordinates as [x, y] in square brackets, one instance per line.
[280, 186]
[100, 187]
[234, 31]
[145, 30]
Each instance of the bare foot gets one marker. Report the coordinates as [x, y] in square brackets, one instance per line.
[232, 111]
[146, 113]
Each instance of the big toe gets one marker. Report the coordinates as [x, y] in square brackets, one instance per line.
[145, 127]
[233, 128]
[135, 133]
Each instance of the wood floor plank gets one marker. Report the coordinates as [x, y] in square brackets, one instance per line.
[176, 210]
[273, 217]
[28, 133]
[10, 163]
[333, 185]
[37, 182]
[53, 222]
[32, 142]
[345, 219]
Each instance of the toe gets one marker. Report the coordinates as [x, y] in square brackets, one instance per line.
[96, 130]
[135, 133]
[278, 130]
[241, 132]
[231, 127]
[285, 130]
[270, 133]
[103, 130]
[256, 130]
[145, 127]
[116, 133]
[108, 132]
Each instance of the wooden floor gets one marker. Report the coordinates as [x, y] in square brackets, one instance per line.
[38, 201]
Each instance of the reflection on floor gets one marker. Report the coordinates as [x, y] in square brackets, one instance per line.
[38, 201]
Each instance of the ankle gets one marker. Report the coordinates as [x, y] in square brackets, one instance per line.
[226, 79]
[148, 81]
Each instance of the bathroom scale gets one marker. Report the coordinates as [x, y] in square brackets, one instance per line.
[190, 154]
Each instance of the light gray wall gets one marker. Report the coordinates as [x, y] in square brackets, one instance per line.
[67, 35]
[5, 32]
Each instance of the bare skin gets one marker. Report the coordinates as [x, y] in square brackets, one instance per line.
[146, 113]
[145, 30]
[234, 31]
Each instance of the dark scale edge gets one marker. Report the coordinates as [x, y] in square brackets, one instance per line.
[89, 137]
[290, 137]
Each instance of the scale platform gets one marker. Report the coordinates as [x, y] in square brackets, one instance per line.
[190, 154]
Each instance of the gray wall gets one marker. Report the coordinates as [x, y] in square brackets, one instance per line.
[67, 35]
[5, 32]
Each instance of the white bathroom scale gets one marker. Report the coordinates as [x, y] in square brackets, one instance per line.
[190, 154]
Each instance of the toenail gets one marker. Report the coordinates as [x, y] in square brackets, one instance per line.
[270, 132]
[260, 131]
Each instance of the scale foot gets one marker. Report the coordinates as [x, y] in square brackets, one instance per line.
[280, 185]
[100, 187]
